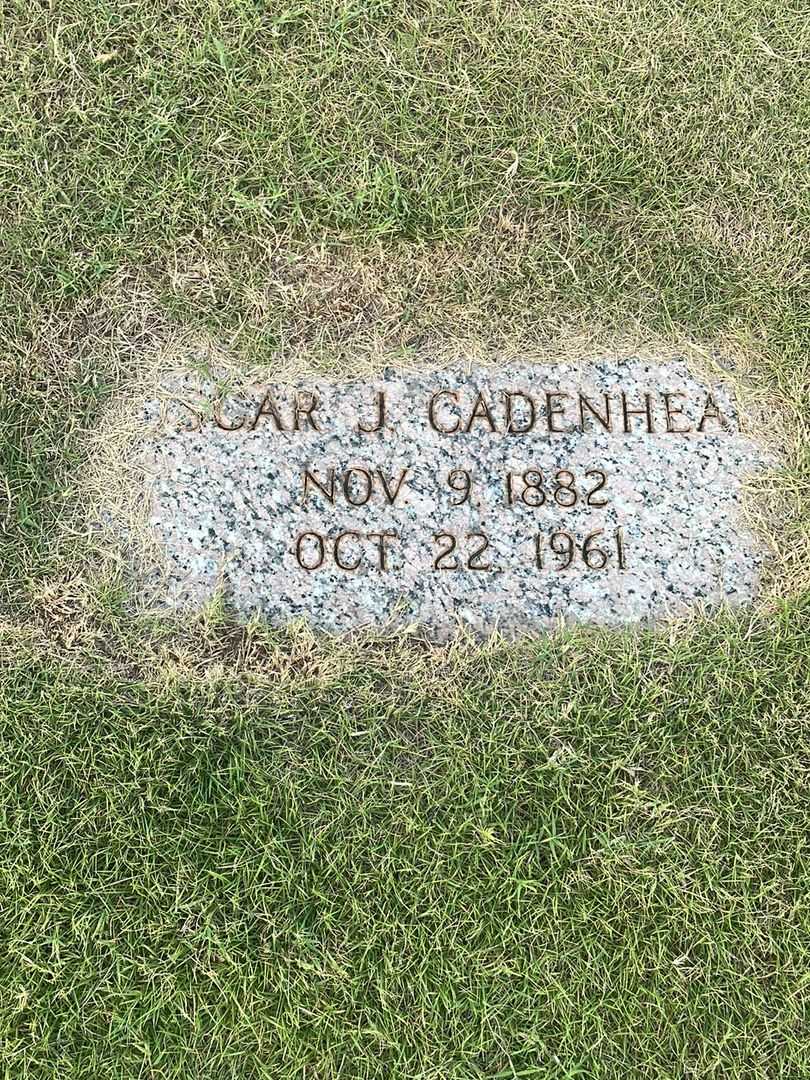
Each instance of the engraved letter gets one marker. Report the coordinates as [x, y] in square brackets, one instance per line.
[511, 429]
[267, 407]
[299, 554]
[646, 412]
[605, 420]
[711, 412]
[346, 565]
[432, 412]
[224, 423]
[389, 494]
[196, 425]
[554, 409]
[380, 415]
[381, 538]
[302, 410]
[481, 412]
[310, 478]
[347, 486]
[672, 412]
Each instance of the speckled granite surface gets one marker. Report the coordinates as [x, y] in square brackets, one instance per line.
[502, 498]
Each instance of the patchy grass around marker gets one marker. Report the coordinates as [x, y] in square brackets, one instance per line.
[230, 853]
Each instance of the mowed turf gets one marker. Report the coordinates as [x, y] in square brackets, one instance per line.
[575, 859]
[236, 854]
[658, 151]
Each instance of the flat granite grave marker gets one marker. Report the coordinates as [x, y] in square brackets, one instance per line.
[496, 499]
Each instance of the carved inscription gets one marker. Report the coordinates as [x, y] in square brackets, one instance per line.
[513, 412]
[528, 488]
[499, 497]
[448, 412]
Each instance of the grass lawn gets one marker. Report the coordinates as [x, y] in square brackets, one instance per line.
[227, 852]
